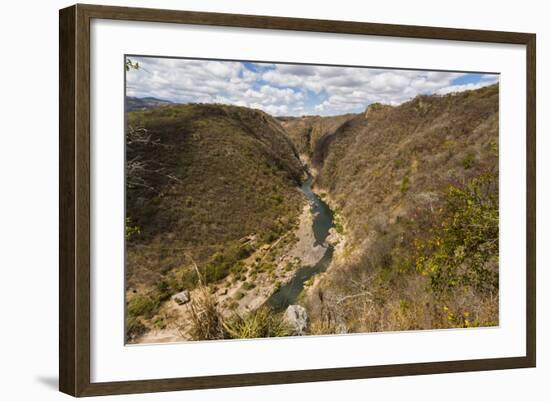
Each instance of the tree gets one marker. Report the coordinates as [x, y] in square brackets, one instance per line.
[463, 248]
[129, 65]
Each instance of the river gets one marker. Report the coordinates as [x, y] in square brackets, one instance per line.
[322, 222]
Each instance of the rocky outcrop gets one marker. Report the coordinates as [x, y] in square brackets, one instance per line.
[375, 107]
[296, 318]
[333, 237]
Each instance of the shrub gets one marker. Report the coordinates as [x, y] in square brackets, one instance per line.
[248, 286]
[259, 323]
[207, 323]
[142, 305]
[163, 291]
[463, 247]
[468, 161]
[134, 328]
[227, 261]
[131, 229]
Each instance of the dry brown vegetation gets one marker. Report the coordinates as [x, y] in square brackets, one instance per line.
[207, 185]
[209, 323]
[416, 187]
[211, 194]
[306, 131]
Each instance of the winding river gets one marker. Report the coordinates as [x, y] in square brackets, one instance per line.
[322, 222]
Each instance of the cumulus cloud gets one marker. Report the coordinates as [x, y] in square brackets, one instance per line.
[290, 89]
[458, 88]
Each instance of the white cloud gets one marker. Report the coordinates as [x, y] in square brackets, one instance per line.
[290, 89]
[460, 88]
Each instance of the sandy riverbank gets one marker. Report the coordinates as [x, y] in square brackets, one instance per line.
[230, 294]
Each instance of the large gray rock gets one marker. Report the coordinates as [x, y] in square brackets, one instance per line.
[296, 318]
[182, 297]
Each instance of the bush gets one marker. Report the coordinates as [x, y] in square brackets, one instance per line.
[463, 247]
[227, 261]
[131, 229]
[134, 328]
[468, 161]
[142, 305]
[207, 322]
[259, 323]
[248, 286]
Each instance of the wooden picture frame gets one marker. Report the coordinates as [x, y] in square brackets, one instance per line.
[74, 203]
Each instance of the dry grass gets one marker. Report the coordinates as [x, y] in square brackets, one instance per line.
[208, 323]
[387, 177]
[205, 177]
[206, 320]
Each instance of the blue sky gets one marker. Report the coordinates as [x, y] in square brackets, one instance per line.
[290, 89]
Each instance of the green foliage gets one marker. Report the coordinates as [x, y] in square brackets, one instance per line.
[405, 184]
[142, 305]
[130, 65]
[463, 248]
[134, 328]
[131, 230]
[468, 161]
[226, 261]
[215, 174]
[147, 305]
[259, 323]
[184, 278]
[207, 322]
[248, 286]
[420, 146]
[164, 290]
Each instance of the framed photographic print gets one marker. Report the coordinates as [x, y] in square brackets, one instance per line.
[250, 200]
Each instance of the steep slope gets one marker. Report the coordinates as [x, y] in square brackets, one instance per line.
[409, 183]
[307, 130]
[207, 185]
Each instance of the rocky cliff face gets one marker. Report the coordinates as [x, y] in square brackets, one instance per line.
[305, 132]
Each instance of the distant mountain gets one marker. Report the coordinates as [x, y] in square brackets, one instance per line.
[144, 103]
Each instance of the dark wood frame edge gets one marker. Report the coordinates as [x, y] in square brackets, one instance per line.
[74, 199]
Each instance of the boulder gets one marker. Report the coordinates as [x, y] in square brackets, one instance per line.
[332, 238]
[182, 298]
[296, 318]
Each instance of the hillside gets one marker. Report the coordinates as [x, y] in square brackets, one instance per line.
[396, 228]
[415, 193]
[207, 186]
[306, 131]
